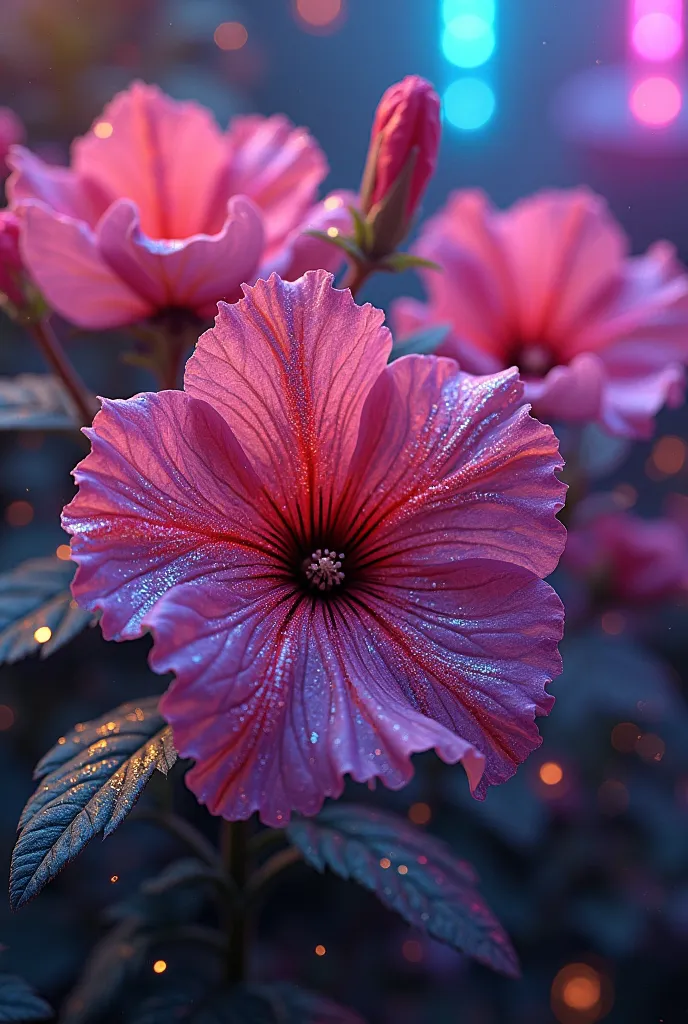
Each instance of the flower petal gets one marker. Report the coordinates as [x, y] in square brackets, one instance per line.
[279, 167]
[164, 497]
[166, 156]
[573, 393]
[301, 252]
[63, 258]
[277, 697]
[450, 466]
[61, 189]
[194, 273]
[629, 407]
[289, 367]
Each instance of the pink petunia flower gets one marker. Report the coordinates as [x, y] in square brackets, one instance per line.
[340, 560]
[161, 210]
[548, 286]
[630, 559]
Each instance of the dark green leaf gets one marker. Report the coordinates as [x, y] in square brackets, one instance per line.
[37, 594]
[92, 778]
[115, 959]
[409, 871]
[342, 242]
[18, 1002]
[254, 1004]
[34, 401]
[188, 871]
[421, 343]
[398, 262]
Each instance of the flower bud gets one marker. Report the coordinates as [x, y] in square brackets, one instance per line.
[19, 297]
[403, 146]
[11, 132]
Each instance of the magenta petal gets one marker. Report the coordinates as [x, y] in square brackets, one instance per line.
[451, 466]
[476, 644]
[629, 407]
[166, 156]
[62, 256]
[60, 188]
[572, 393]
[276, 698]
[194, 273]
[289, 367]
[301, 252]
[176, 504]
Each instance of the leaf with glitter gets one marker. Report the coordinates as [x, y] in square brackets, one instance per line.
[410, 872]
[279, 1003]
[34, 596]
[18, 1002]
[33, 401]
[90, 782]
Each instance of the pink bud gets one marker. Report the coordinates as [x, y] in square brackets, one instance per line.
[12, 275]
[406, 136]
[11, 132]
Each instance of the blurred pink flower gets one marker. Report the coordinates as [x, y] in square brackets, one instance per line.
[11, 266]
[406, 132]
[11, 132]
[549, 286]
[630, 559]
[340, 560]
[161, 210]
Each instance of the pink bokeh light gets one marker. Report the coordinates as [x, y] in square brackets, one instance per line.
[656, 101]
[657, 36]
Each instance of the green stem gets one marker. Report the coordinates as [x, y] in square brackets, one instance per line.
[56, 358]
[234, 838]
[357, 276]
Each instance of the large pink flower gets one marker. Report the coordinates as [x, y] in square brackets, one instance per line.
[548, 286]
[160, 209]
[340, 560]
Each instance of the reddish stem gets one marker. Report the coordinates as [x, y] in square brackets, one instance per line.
[56, 358]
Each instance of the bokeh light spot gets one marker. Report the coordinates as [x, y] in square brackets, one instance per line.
[625, 735]
[102, 129]
[6, 717]
[650, 747]
[468, 41]
[320, 950]
[669, 455]
[385, 863]
[656, 101]
[485, 9]
[625, 496]
[613, 623]
[577, 994]
[469, 103]
[114, 878]
[333, 202]
[402, 869]
[419, 814]
[19, 513]
[551, 773]
[333, 232]
[319, 13]
[412, 951]
[657, 36]
[230, 35]
[42, 634]
[63, 552]
[160, 966]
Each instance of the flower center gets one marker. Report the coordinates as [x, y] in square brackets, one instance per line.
[323, 569]
[534, 359]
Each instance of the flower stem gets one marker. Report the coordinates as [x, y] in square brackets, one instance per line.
[56, 358]
[234, 849]
[357, 276]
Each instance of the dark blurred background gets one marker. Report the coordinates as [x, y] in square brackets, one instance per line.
[586, 862]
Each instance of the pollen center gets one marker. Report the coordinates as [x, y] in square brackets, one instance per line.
[323, 569]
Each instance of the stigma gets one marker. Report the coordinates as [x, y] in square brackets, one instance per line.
[323, 569]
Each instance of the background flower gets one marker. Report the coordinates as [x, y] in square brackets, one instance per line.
[340, 561]
[161, 210]
[548, 286]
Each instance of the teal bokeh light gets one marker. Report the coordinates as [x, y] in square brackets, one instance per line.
[484, 9]
[468, 41]
[469, 103]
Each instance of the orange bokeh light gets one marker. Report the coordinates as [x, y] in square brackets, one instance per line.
[230, 35]
[63, 552]
[419, 814]
[319, 13]
[19, 513]
[551, 773]
[625, 735]
[669, 455]
[159, 966]
[320, 950]
[579, 994]
[103, 130]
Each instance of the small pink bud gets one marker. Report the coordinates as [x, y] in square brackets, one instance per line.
[405, 138]
[11, 132]
[11, 266]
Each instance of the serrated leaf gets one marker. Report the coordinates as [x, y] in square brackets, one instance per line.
[34, 401]
[254, 1004]
[92, 779]
[422, 342]
[37, 594]
[184, 872]
[409, 871]
[113, 960]
[18, 1002]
